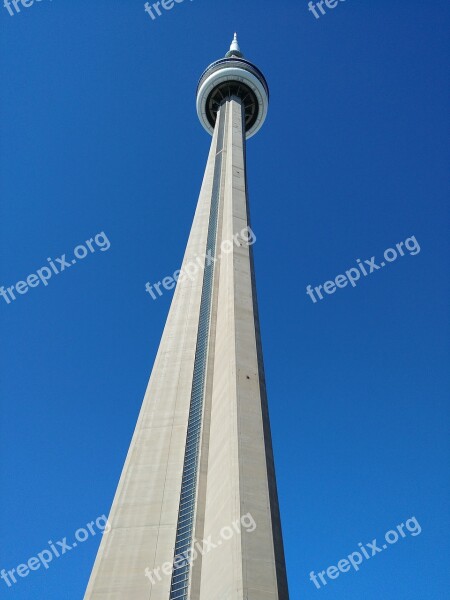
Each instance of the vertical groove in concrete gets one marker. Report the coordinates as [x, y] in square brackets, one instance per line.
[181, 577]
[204, 452]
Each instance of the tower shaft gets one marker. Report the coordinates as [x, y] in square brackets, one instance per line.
[200, 462]
[240, 475]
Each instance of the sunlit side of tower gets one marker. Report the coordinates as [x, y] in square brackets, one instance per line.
[201, 454]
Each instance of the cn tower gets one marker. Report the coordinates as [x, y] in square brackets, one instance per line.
[195, 515]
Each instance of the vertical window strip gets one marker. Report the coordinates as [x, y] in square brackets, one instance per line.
[185, 529]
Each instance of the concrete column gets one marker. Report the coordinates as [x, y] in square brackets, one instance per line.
[236, 488]
[240, 476]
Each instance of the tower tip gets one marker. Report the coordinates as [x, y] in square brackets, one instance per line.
[234, 48]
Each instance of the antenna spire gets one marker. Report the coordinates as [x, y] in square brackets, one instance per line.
[234, 49]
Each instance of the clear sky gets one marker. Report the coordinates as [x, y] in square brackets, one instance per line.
[99, 134]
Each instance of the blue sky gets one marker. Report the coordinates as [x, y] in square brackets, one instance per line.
[99, 134]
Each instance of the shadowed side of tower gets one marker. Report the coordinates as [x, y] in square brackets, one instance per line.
[201, 459]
